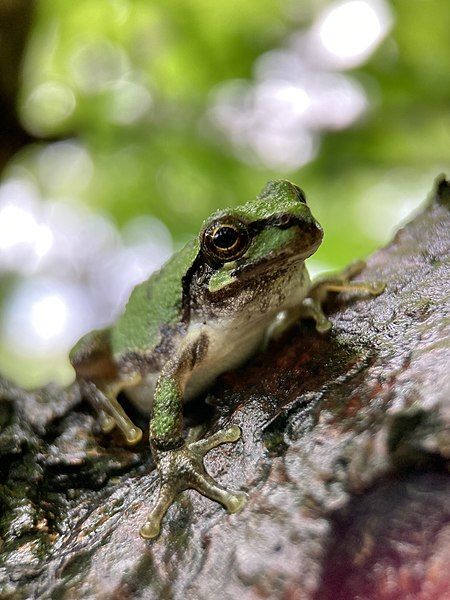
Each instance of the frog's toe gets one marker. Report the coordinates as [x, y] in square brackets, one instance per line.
[107, 423]
[181, 469]
[232, 434]
[205, 484]
[376, 287]
[236, 502]
[133, 435]
[152, 526]
[323, 324]
[223, 436]
[150, 530]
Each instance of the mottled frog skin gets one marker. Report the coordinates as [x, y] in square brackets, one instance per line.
[209, 308]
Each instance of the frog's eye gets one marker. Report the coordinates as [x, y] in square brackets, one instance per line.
[225, 241]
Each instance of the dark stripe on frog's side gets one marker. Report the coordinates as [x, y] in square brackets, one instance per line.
[152, 358]
[196, 277]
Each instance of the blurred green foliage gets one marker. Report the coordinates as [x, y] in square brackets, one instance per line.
[134, 82]
[168, 163]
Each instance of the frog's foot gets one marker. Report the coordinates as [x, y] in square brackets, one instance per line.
[342, 283]
[183, 469]
[131, 432]
[111, 413]
[312, 309]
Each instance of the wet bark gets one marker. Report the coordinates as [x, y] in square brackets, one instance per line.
[344, 455]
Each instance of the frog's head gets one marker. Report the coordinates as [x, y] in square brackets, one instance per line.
[275, 228]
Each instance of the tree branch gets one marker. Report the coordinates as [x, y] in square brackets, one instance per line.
[344, 455]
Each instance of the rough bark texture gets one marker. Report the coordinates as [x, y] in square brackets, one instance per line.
[344, 455]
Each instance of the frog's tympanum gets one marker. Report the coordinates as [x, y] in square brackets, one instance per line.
[209, 308]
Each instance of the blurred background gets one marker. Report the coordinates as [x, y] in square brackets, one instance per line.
[126, 122]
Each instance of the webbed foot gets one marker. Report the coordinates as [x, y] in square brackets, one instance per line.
[182, 469]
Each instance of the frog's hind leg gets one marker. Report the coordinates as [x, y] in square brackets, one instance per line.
[311, 306]
[110, 411]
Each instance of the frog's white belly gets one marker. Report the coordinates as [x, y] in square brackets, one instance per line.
[229, 345]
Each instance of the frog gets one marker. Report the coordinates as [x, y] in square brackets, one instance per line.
[240, 282]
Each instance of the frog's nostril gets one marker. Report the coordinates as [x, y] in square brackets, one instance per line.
[284, 221]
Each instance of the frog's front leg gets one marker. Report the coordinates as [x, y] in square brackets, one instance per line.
[307, 309]
[341, 283]
[180, 463]
[311, 307]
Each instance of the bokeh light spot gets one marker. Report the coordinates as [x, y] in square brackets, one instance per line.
[48, 316]
[64, 167]
[97, 63]
[350, 31]
[24, 237]
[127, 102]
[45, 315]
[17, 226]
[47, 107]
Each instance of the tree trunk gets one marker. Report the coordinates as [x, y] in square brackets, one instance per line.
[344, 455]
[15, 23]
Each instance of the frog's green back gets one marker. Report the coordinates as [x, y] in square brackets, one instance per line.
[154, 303]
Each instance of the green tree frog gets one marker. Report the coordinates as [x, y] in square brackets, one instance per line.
[207, 310]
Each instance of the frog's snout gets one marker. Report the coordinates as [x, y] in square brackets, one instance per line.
[317, 231]
[310, 234]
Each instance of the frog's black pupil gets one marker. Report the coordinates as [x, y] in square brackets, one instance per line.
[225, 238]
